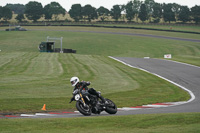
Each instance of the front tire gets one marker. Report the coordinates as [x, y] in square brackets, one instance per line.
[111, 107]
[83, 110]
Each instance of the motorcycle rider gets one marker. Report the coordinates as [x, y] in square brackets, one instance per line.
[83, 86]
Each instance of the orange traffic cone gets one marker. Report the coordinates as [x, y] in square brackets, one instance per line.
[44, 107]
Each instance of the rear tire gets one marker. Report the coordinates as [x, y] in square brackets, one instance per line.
[111, 107]
[83, 110]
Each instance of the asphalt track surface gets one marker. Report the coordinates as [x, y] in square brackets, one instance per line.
[124, 33]
[185, 75]
[188, 76]
[142, 35]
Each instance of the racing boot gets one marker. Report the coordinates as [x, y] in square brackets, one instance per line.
[104, 102]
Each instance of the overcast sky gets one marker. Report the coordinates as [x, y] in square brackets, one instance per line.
[97, 3]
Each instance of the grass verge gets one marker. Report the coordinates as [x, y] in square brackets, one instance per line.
[162, 123]
[106, 44]
[29, 80]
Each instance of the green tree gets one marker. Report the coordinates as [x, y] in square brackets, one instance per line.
[1, 12]
[184, 14]
[116, 12]
[149, 7]
[16, 8]
[123, 9]
[176, 9]
[76, 12]
[89, 12]
[195, 11]
[20, 17]
[136, 7]
[6, 13]
[143, 13]
[103, 13]
[130, 12]
[168, 14]
[33, 10]
[157, 12]
[47, 13]
[53, 9]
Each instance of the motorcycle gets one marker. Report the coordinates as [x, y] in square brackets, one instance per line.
[87, 104]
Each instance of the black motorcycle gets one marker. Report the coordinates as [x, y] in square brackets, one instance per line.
[87, 104]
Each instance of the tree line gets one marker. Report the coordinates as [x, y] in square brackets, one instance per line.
[134, 10]
[32, 11]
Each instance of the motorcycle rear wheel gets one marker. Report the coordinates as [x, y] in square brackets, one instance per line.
[111, 107]
[83, 110]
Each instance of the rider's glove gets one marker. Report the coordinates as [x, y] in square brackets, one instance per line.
[75, 91]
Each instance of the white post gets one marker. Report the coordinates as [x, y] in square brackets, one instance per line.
[61, 51]
[47, 38]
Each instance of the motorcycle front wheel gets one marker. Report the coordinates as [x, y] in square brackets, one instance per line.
[111, 107]
[85, 110]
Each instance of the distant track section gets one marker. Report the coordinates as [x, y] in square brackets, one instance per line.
[129, 34]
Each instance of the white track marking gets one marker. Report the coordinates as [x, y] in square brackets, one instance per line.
[27, 115]
[45, 114]
[151, 106]
[177, 103]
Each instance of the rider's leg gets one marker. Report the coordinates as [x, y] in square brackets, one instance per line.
[98, 94]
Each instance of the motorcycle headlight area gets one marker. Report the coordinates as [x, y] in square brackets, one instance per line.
[77, 97]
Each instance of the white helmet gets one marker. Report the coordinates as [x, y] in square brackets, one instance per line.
[74, 80]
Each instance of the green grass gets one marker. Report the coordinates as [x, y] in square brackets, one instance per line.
[106, 44]
[156, 123]
[30, 79]
[139, 31]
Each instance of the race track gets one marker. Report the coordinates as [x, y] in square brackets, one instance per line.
[124, 33]
[185, 75]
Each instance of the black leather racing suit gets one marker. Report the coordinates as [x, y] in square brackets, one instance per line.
[84, 89]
